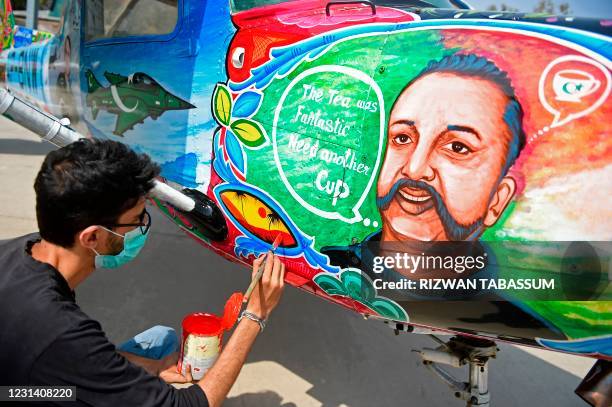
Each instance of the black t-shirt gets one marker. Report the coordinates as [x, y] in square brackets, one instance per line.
[46, 339]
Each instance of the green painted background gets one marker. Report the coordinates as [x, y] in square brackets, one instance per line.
[392, 64]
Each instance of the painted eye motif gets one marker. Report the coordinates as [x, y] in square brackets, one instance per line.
[402, 139]
[458, 147]
[238, 57]
[257, 217]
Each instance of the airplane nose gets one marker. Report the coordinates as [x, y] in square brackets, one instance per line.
[176, 103]
[185, 105]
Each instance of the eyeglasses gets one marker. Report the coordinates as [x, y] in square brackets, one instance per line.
[145, 222]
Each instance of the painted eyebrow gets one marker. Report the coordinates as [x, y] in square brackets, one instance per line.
[407, 122]
[456, 127]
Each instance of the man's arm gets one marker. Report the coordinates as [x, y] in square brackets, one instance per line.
[220, 378]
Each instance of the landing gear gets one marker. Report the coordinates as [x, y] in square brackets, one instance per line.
[458, 352]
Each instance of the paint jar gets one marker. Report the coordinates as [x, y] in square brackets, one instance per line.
[202, 337]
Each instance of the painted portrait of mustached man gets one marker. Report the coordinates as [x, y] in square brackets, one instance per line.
[453, 133]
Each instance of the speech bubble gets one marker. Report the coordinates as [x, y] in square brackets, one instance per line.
[573, 86]
[327, 126]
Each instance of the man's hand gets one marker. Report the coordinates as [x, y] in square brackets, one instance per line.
[165, 368]
[268, 291]
[169, 370]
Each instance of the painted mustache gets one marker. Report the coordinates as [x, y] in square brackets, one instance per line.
[455, 231]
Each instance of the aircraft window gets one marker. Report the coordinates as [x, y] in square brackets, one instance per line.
[142, 80]
[241, 5]
[126, 18]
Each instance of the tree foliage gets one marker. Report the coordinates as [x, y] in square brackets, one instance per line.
[549, 7]
[543, 6]
[502, 7]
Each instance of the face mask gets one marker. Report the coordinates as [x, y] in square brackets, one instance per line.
[133, 241]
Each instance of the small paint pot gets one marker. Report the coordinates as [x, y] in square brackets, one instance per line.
[202, 337]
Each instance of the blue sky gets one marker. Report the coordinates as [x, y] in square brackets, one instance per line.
[580, 8]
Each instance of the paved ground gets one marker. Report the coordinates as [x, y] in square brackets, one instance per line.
[312, 354]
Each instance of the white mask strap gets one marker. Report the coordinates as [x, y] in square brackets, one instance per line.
[114, 233]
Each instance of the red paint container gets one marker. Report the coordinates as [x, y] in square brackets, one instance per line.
[203, 336]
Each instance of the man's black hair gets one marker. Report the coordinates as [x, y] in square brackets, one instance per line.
[89, 182]
[471, 65]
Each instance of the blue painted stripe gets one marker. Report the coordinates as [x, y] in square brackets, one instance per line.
[601, 345]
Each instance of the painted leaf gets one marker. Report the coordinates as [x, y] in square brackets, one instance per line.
[358, 287]
[249, 132]
[389, 309]
[221, 167]
[247, 104]
[234, 151]
[222, 104]
[329, 284]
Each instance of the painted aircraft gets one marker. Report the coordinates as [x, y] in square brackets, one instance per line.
[388, 143]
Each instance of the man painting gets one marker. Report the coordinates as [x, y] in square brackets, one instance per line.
[90, 208]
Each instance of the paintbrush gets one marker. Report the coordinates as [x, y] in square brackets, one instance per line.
[260, 271]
